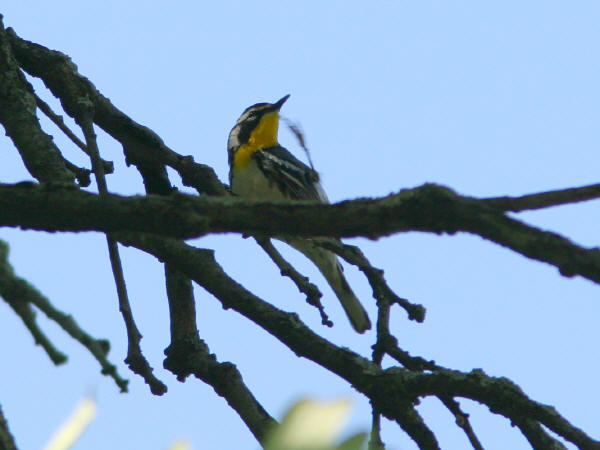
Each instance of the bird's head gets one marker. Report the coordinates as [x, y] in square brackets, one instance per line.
[257, 126]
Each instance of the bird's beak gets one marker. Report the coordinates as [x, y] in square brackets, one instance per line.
[279, 103]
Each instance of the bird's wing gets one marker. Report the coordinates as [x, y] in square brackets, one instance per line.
[295, 179]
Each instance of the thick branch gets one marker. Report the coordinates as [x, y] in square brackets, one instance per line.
[427, 208]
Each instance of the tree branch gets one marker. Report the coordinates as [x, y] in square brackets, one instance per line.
[142, 146]
[312, 292]
[427, 208]
[7, 441]
[381, 291]
[107, 166]
[391, 391]
[17, 113]
[538, 437]
[19, 294]
[188, 354]
[135, 358]
[462, 420]
[545, 199]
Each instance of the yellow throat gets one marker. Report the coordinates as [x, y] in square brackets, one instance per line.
[263, 136]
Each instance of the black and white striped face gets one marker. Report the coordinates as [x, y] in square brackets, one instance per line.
[248, 121]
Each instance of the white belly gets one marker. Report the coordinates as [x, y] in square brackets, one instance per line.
[250, 182]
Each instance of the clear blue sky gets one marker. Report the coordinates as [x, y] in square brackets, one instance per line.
[489, 98]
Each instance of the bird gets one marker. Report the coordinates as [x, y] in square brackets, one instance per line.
[261, 169]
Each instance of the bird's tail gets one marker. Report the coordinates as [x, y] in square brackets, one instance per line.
[331, 269]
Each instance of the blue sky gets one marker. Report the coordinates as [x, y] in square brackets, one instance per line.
[489, 98]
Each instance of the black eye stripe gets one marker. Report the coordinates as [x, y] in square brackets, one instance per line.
[246, 128]
[249, 120]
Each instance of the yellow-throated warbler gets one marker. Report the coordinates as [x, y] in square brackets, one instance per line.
[260, 168]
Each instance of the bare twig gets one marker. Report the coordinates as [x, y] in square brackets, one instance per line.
[387, 343]
[135, 359]
[381, 290]
[97, 347]
[545, 199]
[19, 293]
[107, 166]
[462, 420]
[379, 349]
[27, 315]
[375, 442]
[312, 292]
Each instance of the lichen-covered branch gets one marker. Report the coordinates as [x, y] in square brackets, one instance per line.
[17, 114]
[428, 208]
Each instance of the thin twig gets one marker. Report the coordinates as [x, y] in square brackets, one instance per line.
[545, 199]
[382, 329]
[16, 292]
[27, 315]
[388, 344]
[99, 348]
[375, 442]
[135, 359]
[313, 294]
[462, 420]
[58, 120]
[381, 290]
[19, 294]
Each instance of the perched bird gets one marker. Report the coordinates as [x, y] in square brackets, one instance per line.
[261, 169]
